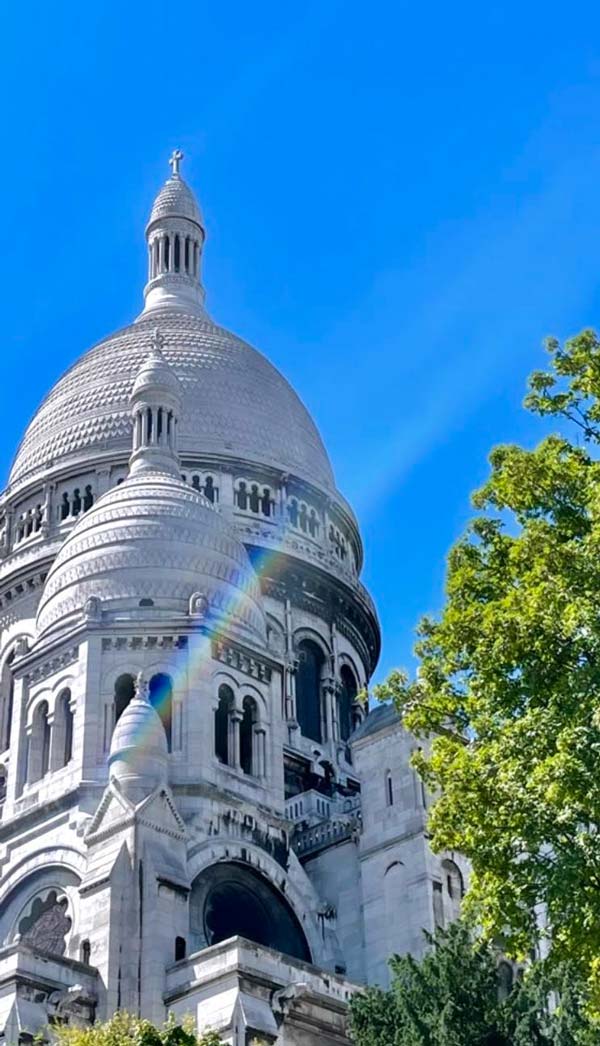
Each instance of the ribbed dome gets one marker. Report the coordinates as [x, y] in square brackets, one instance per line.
[153, 539]
[138, 749]
[235, 403]
[176, 200]
[156, 373]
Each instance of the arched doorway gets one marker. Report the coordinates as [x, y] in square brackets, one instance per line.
[230, 900]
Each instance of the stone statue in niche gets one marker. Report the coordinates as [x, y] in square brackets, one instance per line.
[47, 924]
[198, 606]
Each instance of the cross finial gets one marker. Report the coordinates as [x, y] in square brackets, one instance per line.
[175, 160]
[157, 342]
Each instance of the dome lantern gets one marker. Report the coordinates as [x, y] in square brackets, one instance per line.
[175, 236]
[156, 402]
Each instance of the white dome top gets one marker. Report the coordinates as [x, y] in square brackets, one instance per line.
[235, 403]
[176, 200]
[153, 538]
[138, 749]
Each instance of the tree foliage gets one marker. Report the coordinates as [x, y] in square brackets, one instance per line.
[509, 681]
[124, 1029]
[451, 998]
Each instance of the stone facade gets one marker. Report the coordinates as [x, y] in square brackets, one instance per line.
[195, 813]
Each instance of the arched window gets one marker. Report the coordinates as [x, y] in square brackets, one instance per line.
[389, 788]
[453, 889]
[76, 502]
[124, 691]
[346, 698]
[293, 512]
[2, 784]
[308, 689]
[63, 732]
[266, 501]
[242, 496]
[180, 946]
[65, 506]
[249, 719]
[7, 693]
[222, 728]
[167, 253]
[505, 980]
[254, 498]
[210, 490]
[38, 760]
[88, 498]
[177, 253]
[160, 693]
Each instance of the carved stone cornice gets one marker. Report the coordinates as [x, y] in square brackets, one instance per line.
[250, 664]
[51, 664]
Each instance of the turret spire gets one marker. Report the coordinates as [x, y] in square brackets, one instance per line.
[156, 401]
[175, 236]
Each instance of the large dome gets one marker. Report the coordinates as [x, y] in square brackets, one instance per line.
[235, 403]
[153, 542]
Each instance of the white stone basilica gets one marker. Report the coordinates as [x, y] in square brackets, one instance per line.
[195, 814]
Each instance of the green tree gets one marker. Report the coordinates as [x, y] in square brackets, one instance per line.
[508, 686]
[123, 1029]
[451, 998]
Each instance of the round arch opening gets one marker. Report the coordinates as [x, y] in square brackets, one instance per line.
[230, 900]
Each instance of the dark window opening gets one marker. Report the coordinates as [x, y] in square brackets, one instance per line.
[124, 691]
[389, 789]
[346, 699]
[67, 724]
[85, 952]
[308, 689]
[242, 497]
[161, 698]
[222, 712]
[247, 735]
[254, 498]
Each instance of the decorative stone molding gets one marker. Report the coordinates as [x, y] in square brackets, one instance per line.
[161, 642]
[250, 665]
[52, 665]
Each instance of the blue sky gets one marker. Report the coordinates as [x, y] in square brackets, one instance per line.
[402, 201]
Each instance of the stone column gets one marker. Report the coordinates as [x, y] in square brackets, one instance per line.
[328, 714]
[259, 751]
[235, 718]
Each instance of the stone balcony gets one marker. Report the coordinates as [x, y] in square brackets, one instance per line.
[38, 989]
[254, 995]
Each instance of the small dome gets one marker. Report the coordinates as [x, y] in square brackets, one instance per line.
[138, 750]
[176, 200]
[153, 538]
[156, 374]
